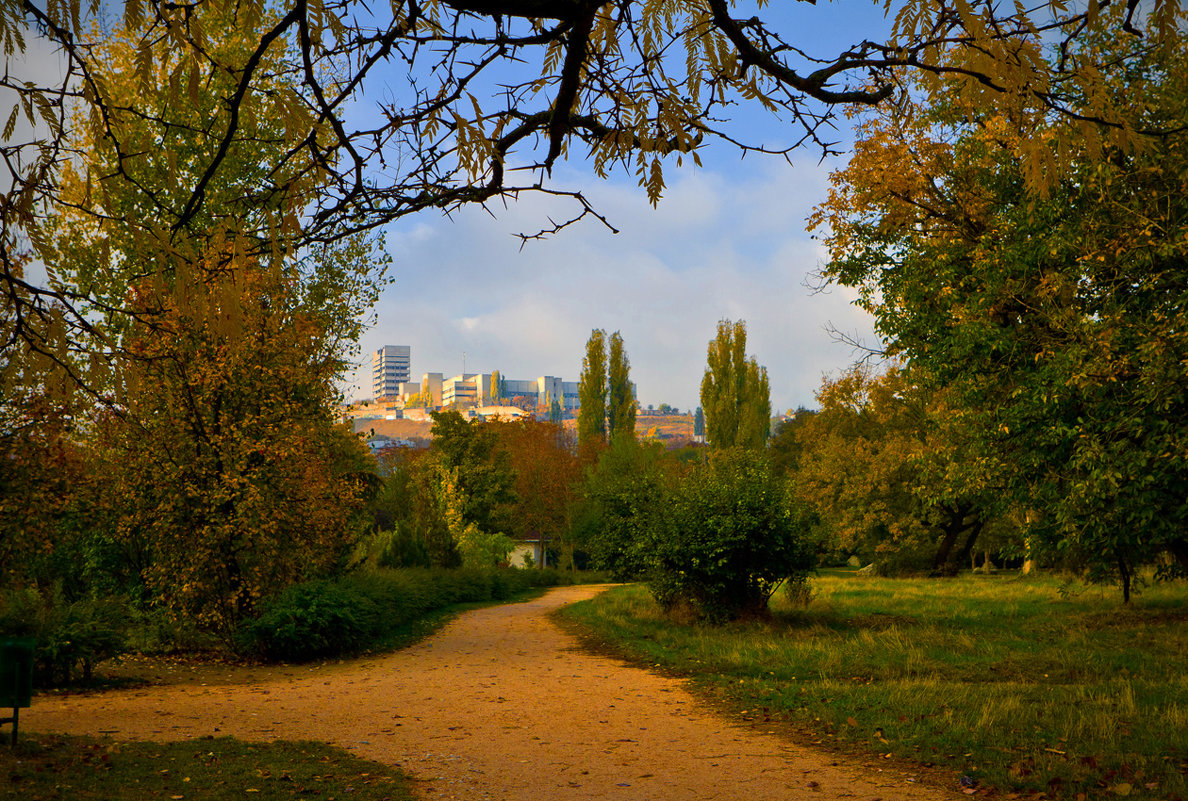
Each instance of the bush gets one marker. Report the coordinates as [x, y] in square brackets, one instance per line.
[403, 549]
[314, 619]
[157, 630]
[72, 637]
[320, 619]
[731, 535]
[622, 494]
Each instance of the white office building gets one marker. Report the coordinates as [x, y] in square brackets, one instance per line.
[391, 366]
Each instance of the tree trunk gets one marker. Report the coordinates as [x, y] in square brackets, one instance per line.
[951, 529]
[967, 548]
[946, 561]
[1124, 574]
[1029, 561]
[1179, 550]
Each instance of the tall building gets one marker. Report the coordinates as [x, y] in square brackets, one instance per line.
[391, 366]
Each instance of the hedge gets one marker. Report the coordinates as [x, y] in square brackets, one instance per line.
[333, 617]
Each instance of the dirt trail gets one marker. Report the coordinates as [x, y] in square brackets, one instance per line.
[498, 705]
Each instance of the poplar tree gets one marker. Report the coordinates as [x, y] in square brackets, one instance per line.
[592, 390]
[735, 394]
[622, 396]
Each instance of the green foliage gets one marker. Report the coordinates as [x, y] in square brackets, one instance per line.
[621, 406]
[313, 620]
[730, 536]
[714, 537]
[475, 474]
[403, 549]
[408, 504]
[1055, 324]
[734, 391]
[481, 549]
[591, 419]
[785, 446]
[621, 498]
[321, 619]
[72, 636]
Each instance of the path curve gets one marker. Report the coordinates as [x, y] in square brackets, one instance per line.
[499, 705]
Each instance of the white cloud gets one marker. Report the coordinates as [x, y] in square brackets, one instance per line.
[718, 246]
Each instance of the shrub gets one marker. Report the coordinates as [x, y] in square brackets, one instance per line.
[731, 535]
[314, 619]
[157, 630]
[404, 549]
[320, 619]
[71, 636]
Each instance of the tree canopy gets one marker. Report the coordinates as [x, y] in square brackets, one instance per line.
[620, 392]
[385, 112]
[734, 391]
[591, 420]
[1054, 323]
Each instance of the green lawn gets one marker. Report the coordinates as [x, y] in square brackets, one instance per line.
[1022, 685]
[44, 767]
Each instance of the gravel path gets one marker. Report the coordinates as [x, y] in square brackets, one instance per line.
[499, 705]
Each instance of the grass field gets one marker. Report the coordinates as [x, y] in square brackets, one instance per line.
[997, 684]
[45, 767]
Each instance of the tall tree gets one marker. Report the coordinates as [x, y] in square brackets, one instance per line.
[591, 421]
[223, 464]
[734, 391]
[892, 473]
[474, 487]
[621, 420]
[222, 365]
[1057, 323]
[546, 468]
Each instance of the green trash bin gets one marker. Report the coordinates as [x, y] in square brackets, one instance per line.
[16, 678]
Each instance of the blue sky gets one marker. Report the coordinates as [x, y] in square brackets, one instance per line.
[723, 243]
[727, 242]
